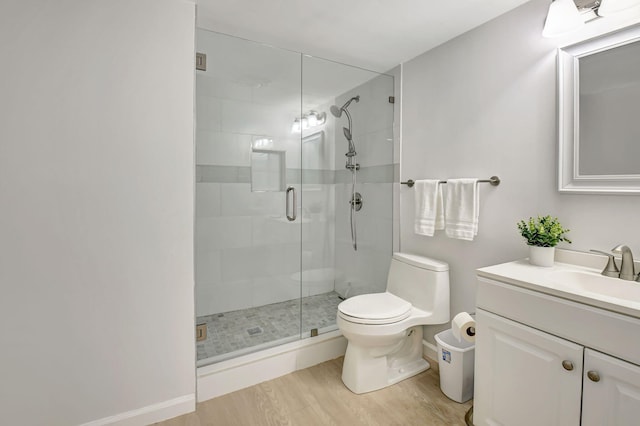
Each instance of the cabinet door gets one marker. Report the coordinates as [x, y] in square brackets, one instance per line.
[611, 394]
[523, 376]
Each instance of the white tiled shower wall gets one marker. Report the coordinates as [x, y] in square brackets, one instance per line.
[365, 270]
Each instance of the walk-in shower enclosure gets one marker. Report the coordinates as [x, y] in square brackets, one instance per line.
[274, 253]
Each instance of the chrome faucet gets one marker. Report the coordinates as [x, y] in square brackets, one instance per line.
[627, 268]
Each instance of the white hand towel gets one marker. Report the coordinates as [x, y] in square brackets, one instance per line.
[429, 208]
[461, 208]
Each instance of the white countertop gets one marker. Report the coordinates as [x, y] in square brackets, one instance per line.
[545, 280]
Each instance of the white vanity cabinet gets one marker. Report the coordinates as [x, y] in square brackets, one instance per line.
[548, 360]
[611, 391]
[520, 378]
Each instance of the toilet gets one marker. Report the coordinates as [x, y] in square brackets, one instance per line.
[384, 330]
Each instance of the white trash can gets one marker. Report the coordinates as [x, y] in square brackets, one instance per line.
[455, 361]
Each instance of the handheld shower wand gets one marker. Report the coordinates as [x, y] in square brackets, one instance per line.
[352, 146]
[356, 199]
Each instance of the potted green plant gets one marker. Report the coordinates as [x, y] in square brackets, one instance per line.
[542, 235]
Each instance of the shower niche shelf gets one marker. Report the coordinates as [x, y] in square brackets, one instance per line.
[268, 168]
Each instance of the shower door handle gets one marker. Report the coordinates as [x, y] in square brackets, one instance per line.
[293, 216]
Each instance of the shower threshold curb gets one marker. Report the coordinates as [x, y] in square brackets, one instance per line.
[238, 373]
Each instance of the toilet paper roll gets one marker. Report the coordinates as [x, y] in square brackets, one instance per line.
[463, 326]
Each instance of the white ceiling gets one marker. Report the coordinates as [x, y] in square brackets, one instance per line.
[373, 34]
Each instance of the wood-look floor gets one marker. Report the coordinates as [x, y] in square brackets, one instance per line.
[317, 396]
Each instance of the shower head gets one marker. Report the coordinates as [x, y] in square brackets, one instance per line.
[337, 112]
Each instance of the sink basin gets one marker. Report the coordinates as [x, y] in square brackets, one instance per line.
[581, 281]
[575, 277]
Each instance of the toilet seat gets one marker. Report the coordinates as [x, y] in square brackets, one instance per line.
[376, 308]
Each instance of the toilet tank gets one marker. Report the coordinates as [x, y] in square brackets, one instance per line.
[423, 282]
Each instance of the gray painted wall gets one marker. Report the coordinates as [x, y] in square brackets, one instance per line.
[96, 229]
[485, 104]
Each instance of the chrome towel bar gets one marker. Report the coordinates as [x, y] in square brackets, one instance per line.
[493, 180]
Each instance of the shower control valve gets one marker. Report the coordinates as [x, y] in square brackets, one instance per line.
[356, 201]
[352, 167]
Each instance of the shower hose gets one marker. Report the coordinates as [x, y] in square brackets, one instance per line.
[352, 214]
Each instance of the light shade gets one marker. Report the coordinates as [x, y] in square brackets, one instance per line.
[312, 119]
[296, 127]
[563, 17]
[609, 7]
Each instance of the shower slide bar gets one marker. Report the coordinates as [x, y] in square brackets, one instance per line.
[493, 180]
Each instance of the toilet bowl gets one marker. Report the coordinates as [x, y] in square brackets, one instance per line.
[384, 330]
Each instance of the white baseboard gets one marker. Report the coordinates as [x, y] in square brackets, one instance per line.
[151, 413]
[248, 370]
[430, 350]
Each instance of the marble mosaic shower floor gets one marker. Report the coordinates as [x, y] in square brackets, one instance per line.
[234, 333]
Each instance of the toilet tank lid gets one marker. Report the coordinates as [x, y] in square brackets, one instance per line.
[421, 262]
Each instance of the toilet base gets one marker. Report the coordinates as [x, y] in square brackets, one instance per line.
[399, 374]
[369, 368]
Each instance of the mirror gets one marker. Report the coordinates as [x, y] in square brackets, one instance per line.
[599, 128]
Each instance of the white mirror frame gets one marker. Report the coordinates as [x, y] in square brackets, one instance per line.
[569, 178]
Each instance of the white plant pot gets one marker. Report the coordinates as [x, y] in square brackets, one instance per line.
[541, 256]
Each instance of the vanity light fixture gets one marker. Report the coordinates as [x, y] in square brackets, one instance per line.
[308, 120]
[563, 17]
[610, 7]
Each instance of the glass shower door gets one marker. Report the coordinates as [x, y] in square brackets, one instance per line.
[248, 226]
[347, 187]
[294, 172]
